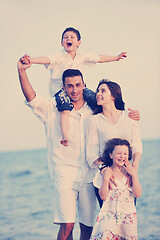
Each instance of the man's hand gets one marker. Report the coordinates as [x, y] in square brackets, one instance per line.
[26, 59]
[134, 114]
[22, 66]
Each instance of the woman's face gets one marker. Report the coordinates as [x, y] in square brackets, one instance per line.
[104, 95]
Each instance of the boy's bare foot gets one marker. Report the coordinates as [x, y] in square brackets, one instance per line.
[64, 142]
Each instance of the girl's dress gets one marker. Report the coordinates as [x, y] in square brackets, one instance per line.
[117, 218]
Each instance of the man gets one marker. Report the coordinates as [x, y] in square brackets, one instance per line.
[69, 170]
[68, 167]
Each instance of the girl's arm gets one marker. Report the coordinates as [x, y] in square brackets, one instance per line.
[104, 190]
[136, 186]
[105, 58]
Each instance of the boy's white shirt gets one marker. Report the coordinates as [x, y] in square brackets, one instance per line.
[61, 61]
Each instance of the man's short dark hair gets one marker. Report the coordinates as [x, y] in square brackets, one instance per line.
[71, 29]
[71, 73]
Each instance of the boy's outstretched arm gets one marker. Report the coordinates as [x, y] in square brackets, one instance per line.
[26, 59]
[105, 58]
[40, 60]
[26, 87]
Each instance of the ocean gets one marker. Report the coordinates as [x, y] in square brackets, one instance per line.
[27, 200]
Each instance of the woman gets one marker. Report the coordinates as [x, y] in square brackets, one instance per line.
[112, 121]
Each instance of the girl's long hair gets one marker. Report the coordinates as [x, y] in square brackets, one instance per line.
[109, 147]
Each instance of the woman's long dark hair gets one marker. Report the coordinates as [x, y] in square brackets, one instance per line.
[115, 92]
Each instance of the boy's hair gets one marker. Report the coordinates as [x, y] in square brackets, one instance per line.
[109, 147]
[71, 73]
[71, 29]
[115, 92]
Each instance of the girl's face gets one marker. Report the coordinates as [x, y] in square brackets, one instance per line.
[119, 155]
[104, 95]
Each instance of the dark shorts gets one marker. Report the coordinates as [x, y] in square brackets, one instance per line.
[64, 102]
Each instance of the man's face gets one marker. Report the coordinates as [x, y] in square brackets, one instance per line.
[74, 88]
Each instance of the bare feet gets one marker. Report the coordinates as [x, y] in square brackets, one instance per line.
[64, 142]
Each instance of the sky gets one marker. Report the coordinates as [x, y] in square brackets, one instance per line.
[107, 27]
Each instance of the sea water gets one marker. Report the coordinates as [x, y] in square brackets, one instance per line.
[27, 200]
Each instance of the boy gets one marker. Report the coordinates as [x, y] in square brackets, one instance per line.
[70, 58]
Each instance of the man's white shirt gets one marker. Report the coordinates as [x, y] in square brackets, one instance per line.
[64, 162]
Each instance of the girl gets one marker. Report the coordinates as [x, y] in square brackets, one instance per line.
[117, 218]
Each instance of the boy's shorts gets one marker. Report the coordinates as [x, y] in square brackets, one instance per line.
[64, 102]
[72, 196]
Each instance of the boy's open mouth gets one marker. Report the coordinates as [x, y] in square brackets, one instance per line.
[69, 44]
